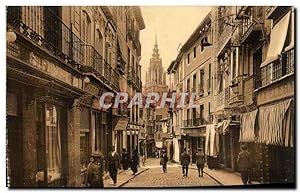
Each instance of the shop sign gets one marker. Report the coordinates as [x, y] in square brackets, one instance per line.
[53, 70]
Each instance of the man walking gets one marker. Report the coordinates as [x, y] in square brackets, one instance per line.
[164, 161]
[244, 164]
[113, 164]
[200, 160]
[94, 177]
[185, 161]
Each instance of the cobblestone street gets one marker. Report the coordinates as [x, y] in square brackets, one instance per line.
[154, 177]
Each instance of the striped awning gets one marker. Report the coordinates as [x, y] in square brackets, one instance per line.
[276, 124]
[248, 120]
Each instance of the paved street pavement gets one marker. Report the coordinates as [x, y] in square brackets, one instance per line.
[154, 177]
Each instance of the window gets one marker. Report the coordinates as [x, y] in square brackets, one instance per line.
[201, 85]
[99, 42]
[84, 147]
[53, 142]
[209, 79]
[158, 117]
[194, 82]
[85, 35]
[195, 52]
[210, 117]
[86, 25]
[203, 41]
[188, 58]
[201, 114]
[84, 139]
[234, 67]
[194, 118]
[188, 85]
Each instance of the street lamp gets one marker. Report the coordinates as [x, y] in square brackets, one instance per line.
[11, 36]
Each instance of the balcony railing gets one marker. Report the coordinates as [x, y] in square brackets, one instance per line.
[222, 99]
[278, 69]
[193, 122]
[93, 59]
[49, 32]
[236, 91]
[249, 22]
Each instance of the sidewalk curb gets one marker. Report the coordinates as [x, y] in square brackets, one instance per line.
[214, 178]
[131, 178]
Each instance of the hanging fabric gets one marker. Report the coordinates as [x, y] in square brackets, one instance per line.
[211, 142]
[248, 120]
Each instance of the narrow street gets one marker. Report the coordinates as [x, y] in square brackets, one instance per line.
[154, 177]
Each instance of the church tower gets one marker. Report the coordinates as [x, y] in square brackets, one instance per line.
[155, 74]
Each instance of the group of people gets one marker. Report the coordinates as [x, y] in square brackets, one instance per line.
[94, 177]
[244, 163]
[185, 162]
[186, 159]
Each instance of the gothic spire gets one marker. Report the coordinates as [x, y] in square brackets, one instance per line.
[155, 49]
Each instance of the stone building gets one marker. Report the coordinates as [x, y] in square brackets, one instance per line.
[60, 63]
[252, 92]
[252, 63]
[192, 73]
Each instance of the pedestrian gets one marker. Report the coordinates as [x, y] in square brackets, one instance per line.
[200, 160]
[185, 161]
[125, 159]
[244, 164]
[134, 161]
[94, 177]
[113, 164]
[164, 161]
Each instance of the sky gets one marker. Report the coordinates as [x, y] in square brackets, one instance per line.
[173, 26]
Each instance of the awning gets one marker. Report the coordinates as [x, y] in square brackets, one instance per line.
[292, 31]
[248, 120]
[121, 124]
[277, 39]
[276, 124]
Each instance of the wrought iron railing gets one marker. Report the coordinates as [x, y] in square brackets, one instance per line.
[193, 122]
[56, 37]
[236, 91]
[277, 69]
[93, 59]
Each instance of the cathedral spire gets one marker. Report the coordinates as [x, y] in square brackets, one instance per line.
[155, 49]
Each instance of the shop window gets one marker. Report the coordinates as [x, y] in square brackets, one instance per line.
[84, 149]
[53, 142]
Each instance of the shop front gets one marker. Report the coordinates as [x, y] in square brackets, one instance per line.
[39, 111]
[228, 132]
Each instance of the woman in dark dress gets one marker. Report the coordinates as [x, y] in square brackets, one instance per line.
[125, 159]
[134, 161]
